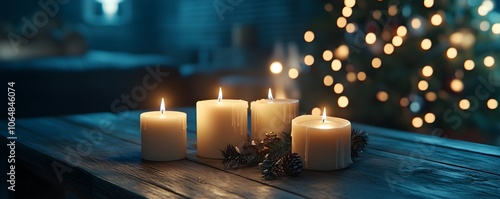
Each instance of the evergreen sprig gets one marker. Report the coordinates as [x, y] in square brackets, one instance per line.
[359, 139]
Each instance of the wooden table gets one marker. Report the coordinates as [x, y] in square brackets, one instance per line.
[98, 155]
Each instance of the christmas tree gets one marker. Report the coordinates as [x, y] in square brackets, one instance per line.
[422, 66]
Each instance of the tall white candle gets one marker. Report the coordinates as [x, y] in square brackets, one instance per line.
[272, 115]
[220, 122]
[163, 135]
[324, 143]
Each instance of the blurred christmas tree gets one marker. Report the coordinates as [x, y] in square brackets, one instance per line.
[412, 65]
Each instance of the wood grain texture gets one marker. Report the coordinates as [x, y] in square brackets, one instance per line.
[394, 165]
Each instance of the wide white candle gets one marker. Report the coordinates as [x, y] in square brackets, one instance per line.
[272, 115]
[163, 135]
[220, 122]
[324, 143]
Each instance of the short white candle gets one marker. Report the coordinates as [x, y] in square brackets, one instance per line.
[324, 143]
[272, 115]
[220, 122]
[163, 135]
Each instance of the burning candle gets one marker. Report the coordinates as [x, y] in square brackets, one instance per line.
[220, 122]
[272, 115]
[323, 142]
[163, 135]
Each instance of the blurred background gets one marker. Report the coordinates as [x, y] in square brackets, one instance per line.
[420, 66]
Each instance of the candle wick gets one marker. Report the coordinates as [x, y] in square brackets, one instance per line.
[323, 120]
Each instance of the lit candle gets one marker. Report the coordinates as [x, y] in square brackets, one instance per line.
[163, 135]
[324, 143]
[220, 122]
[272, 115]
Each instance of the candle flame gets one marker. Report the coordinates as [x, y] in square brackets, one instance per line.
[220, 94]
[324, 115]
[270, 95]
[162, 107]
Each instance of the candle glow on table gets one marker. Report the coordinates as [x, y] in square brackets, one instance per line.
[163, 135]
[272, 115]
[324, 143]
[220, 122]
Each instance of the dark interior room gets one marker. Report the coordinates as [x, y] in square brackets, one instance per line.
[258, 99]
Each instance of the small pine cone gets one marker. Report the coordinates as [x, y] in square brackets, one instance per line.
[270, 138]
[292, 164]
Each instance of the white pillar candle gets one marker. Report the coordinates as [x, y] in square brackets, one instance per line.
[324, 143]
[272, 115]
[163, 135]
[220, 122]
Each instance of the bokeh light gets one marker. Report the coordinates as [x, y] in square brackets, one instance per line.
[327, 55]
[417, 122]
[342, 52]
[336, 65]
[436, 19]
[469, 64]
[431, 96]
[495, 29]
[492, 103]
[343, 101]
[397, 41]
[351, 77]
[338, 88]
[328, 7]
[427, 71]
[309, 60]
[423, 85]
[276, 67]
[350, 28]
[388, 48]
[428, 3]
[484, 25]
[328, 80]
[341, 22]
[451, 53]
[382, 96]
[426, 44]
[349, 3]
[464, 104]
[430, 118]
[489, 61]
[293, 73]
[376, 62]
[316, 111]
[346, 11]
[309, 36]
[361, 76]
[404, 102]
[457, 85]
[401, 31]
[416, 23]
[370, 38]
[392, 10]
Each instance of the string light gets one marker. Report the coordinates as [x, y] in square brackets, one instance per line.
[350, 28]
[464, 104]
[343, 101]
[417, 122]
[309, 60]
[376, 62]
[309, 36]
[489, 61]
[426, 44]
[338, 88]
[492, 103]
[327, 55]
[428, 3]
[336, 65]
[293, 73]
[397, 41]
[328, 80]
[382, 96]
[427, 71]
[349, 3]
[469, 64]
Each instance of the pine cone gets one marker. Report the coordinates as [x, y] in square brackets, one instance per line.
[292, 164]
[271, 138]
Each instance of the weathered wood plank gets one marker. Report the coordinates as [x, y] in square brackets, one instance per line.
[117, 160]
[371, 171]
